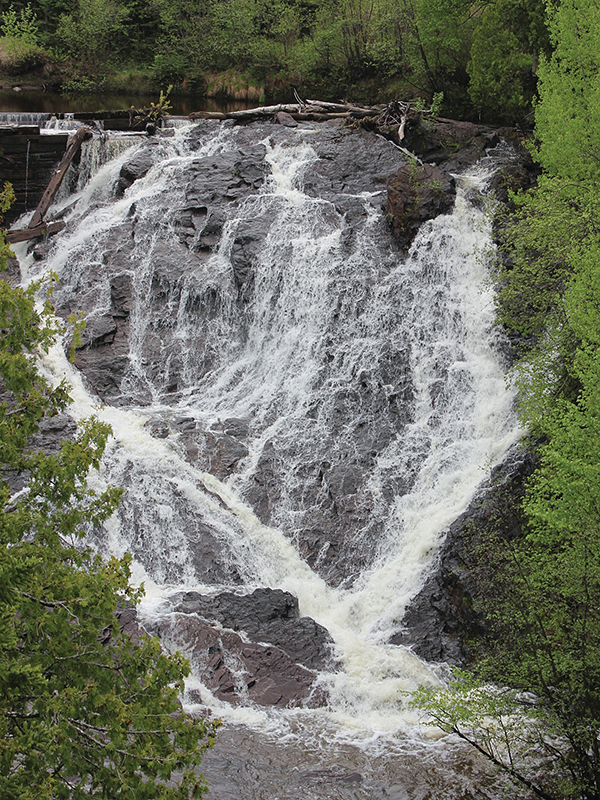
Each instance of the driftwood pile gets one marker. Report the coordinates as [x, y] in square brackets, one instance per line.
[391, 118]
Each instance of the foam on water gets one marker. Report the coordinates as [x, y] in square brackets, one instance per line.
[318, 322]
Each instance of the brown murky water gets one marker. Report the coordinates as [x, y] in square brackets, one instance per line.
[31, 102]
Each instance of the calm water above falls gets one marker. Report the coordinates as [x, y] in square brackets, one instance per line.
[370, 396]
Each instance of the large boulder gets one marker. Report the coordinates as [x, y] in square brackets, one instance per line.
[238, 671]
[417, 193]
[266, 615]
[252, 647]
[136, 167]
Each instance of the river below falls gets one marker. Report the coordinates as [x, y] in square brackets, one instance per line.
[247, 764]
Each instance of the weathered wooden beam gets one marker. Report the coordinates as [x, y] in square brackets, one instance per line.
[12, 237]
[19, 130]
[324, 106]
[319, 116]
[73, 148]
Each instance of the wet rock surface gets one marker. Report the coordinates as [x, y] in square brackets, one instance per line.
[440, 620]
[137, 166]
[250, 647]
[351, 164]
[266, 615]
[170, 296]
[162, 308]
[416, 194]
[455, 144]
[442, 147]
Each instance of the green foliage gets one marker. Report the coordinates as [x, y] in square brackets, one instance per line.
[542, 599]
[85, 711]
[501, 724]
[81, 85]
[482, 57]
[19, 49]
[547, 239]
[7, 198]
[157, 111]
[170, 68]
[499, 68]
[22, 26]
[439, 46]
[568, 118]
[19, 58]
[507, 42]
[93, 35]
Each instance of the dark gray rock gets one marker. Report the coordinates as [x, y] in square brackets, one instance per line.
[285, 119]
[129, 624]
[238, 671]
[414, 195]
[136, 167]
[453, 143]
[51, 434]
[271, 661]
[266, 615]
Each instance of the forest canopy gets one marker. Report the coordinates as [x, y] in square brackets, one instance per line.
[482, 56]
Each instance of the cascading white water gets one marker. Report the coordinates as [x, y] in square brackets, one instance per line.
[312, 365]
[23, 118]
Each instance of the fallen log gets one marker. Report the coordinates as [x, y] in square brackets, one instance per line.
[306, 110]
[21, 235]
[60, 172]
[208, 115]
[257, 114]
[325, 106]
[318, 116]
[264, 111]
[390, 120]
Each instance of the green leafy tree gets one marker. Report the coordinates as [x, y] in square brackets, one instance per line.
[20, 51]
[85, 711]
[94, 36]
[542, 599]
[508, 39]
[22, 26]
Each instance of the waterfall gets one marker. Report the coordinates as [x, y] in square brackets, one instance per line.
[23, 118]
[358, 395]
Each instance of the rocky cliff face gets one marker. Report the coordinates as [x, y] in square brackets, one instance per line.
[153, 295]
[348, 179]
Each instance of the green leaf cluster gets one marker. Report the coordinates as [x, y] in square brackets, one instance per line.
[22, 26]
[85, 711]
[542, 599]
